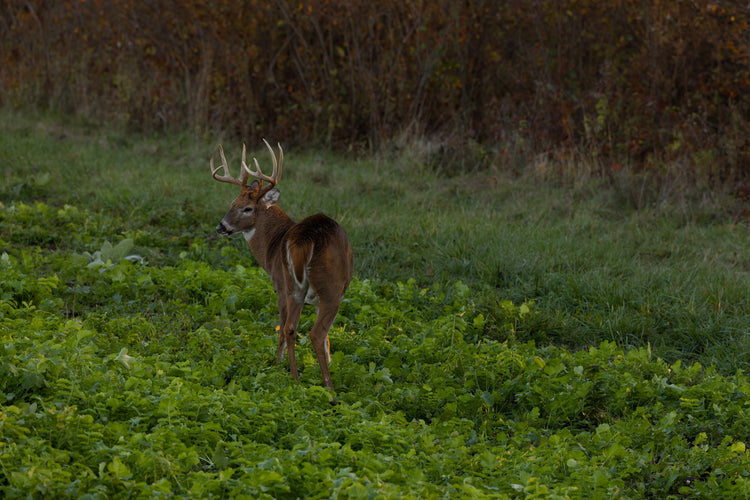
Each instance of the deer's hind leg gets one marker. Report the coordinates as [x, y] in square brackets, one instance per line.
[319, 339]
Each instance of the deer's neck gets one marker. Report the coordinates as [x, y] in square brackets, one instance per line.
[265, 240]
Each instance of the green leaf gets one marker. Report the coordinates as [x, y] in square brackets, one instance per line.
[123, 358]
[738, 447]
[220, 456]
[118, 469]
[478, 321]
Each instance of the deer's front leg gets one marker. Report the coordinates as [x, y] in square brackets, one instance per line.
[282, 322]
[289, 332]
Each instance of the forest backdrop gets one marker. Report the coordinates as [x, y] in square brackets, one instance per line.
[629, 86]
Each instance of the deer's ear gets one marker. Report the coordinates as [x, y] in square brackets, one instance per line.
[271, 197]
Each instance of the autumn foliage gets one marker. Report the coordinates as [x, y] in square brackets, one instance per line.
[629, 84]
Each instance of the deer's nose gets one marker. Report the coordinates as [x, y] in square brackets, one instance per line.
[223, 229]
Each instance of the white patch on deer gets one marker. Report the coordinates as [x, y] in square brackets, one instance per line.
[303, 292]
[328, 350]
[248, 234]
[227, 226]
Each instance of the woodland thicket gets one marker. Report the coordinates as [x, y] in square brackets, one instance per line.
[629, 85]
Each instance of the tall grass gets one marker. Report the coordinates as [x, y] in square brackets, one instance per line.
[674, 274]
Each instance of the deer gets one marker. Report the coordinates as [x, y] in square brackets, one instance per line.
[309, 262]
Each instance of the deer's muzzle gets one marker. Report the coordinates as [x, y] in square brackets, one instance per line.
[223, 229]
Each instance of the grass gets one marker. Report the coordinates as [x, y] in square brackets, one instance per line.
[673, 275]
[469, 355]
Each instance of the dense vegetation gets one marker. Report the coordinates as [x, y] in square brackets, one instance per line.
[627, 85]
[545, 347]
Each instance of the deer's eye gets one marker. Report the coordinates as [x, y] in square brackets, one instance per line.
[247, 210]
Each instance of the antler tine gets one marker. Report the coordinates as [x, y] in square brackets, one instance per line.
[281, 161]
[275, 177]
[243, 168]
[227, 177]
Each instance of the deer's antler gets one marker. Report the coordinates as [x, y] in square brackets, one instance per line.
[241, 181]
[275, 177]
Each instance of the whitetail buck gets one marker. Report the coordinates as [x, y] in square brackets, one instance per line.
[310, 262]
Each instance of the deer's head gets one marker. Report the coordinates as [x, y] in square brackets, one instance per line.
[254, 198]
